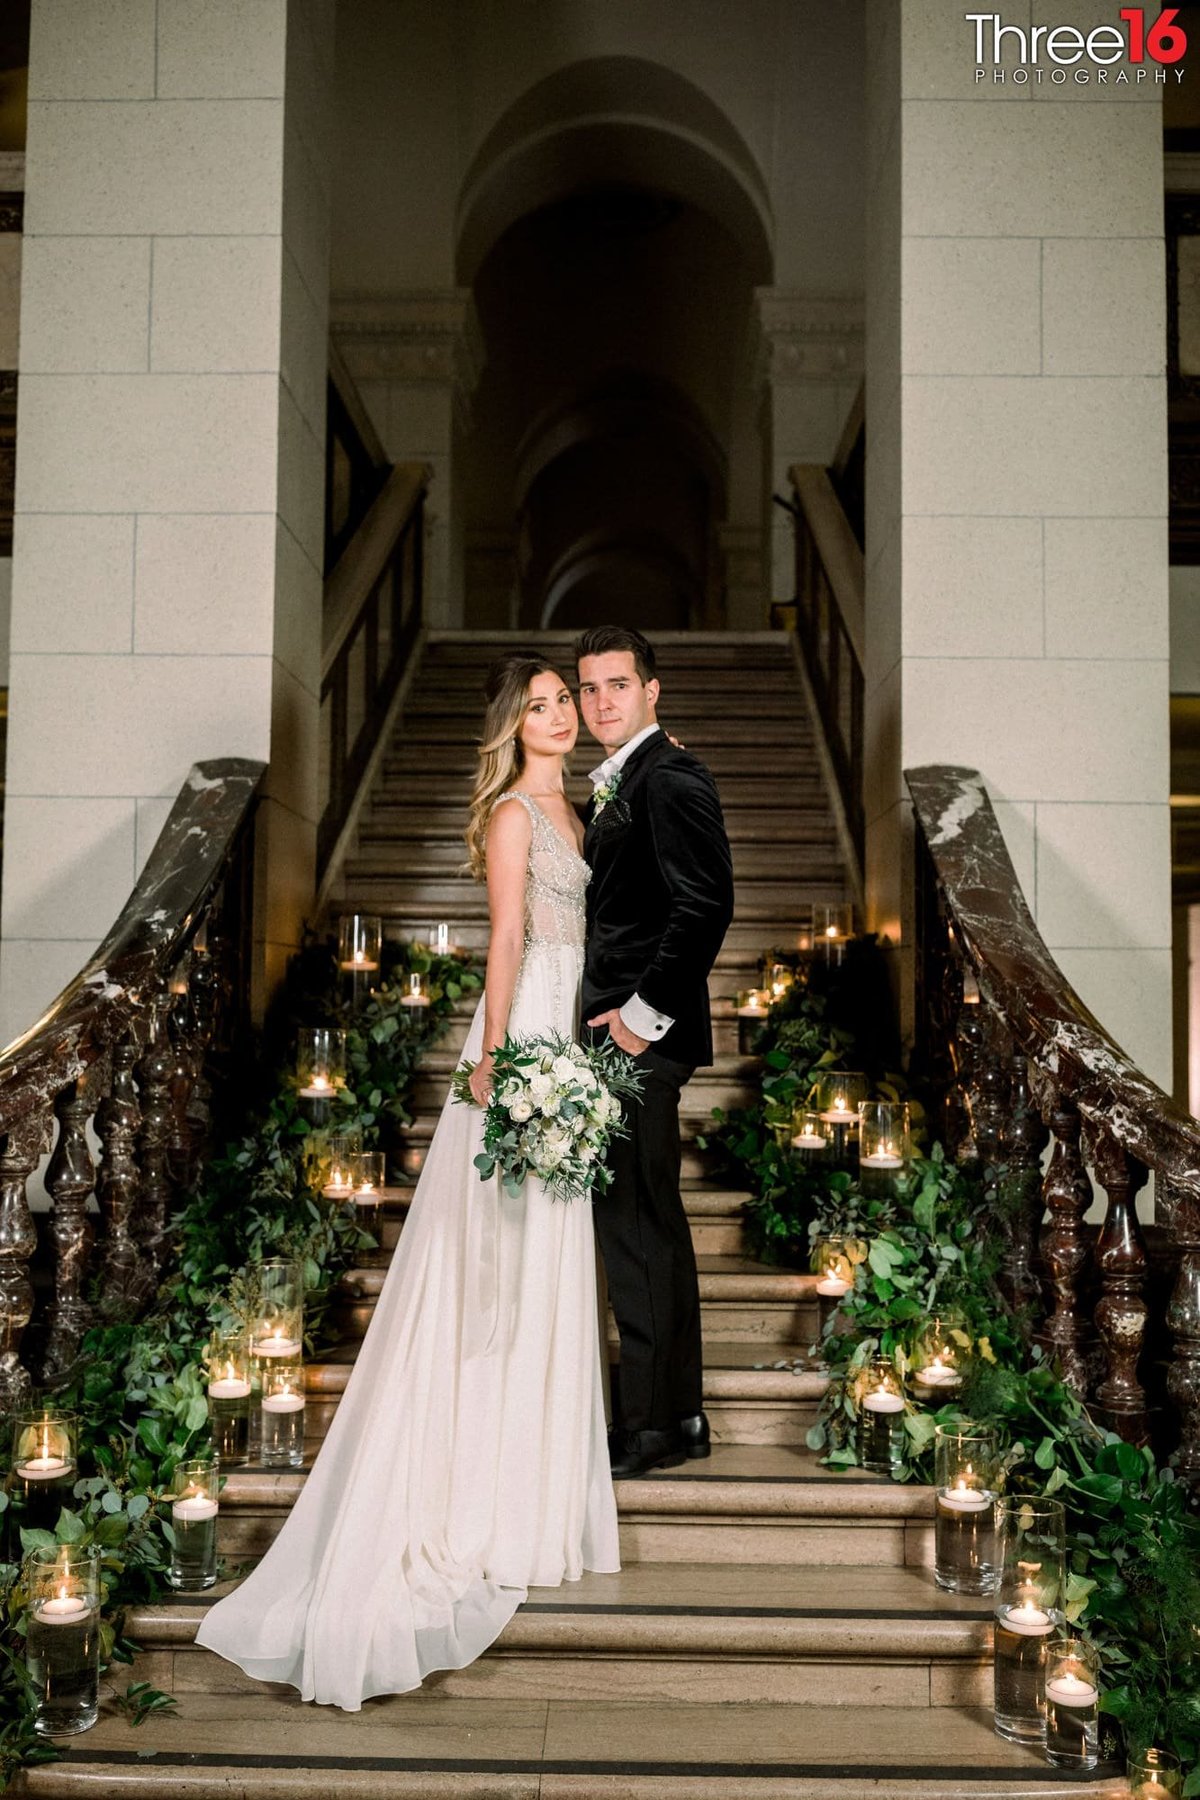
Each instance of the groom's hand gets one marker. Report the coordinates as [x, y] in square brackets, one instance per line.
[620, 1033]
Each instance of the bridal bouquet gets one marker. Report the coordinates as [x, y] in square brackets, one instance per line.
[555, 1108]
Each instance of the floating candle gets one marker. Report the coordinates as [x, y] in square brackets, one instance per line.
[809, 1140]
[882, 1400]
[282, 1403]
[277, 1345]
[192, 1508]
[1027, 1620]
[1069, 1690]
[42, 1468]
[228, 1387]
[63, 1609]
[833, 1286]
[319, 1088]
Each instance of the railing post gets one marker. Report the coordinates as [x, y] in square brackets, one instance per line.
[1024, 1141]
[1067, 1192]
[118, 1118]
[22, 1151]
[1180, 1214]
[1121, 1312]
[154, 1074]
[70, 1178]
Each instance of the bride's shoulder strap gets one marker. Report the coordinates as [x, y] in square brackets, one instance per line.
[517, 794]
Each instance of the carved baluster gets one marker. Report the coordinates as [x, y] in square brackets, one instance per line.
[1067, 1191]
[206, 990]
[154, 1073]
[183, 1074]
[1024, 1140]
[117, 1120]
[1121, 1312]
[969, 1045]
[70, 1179]
[1180, 1214]
[22, 1150]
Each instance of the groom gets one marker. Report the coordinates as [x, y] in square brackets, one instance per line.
[659, 902]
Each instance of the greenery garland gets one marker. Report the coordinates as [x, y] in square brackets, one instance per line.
[926, 1247]
[139, 1388]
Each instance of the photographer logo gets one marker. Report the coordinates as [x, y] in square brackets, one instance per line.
[1151, 46]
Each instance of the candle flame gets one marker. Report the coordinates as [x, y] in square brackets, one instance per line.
[831, 931]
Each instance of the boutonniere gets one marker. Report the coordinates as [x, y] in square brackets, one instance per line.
[608, 790]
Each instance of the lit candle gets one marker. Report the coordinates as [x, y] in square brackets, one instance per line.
[63, 1609]
[286, 1402]
[839, 1113]
[938, 1374]
[1027, 1620]
[339, 1186]
[276, 1345]
[883, 1158]
[192, 1508]
[963, 1498]
[1068, 1689]
[358, 963]
[809, 1140]
[416, 995]
[752, 1008]
[319, 1088]
[883, 1400]
[42, 1468]
[228, 1386]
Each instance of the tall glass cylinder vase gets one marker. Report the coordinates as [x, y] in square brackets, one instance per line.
[839, 1095]
[883, 1146]
[1031, 1553]
[367, 1200]
[966, 1465]
[194, 1509]
[1072, 1704]
[44, 1468]
[881, 1419]
[339, 1173]
[62, 1644]
[229, 1387]
[320, 1070]
[283, 1410]
[1154, 1775]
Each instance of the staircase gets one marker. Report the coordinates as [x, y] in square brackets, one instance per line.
[775, 1631]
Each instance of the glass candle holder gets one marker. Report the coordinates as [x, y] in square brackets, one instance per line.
[884, 1136]
[368, 1195]
[938, 1363]
[194, 1509]
[229, 1396]
[416, 993]
[283, 1414]
[320, 1062]
[1154, 1775]
[278, 1330]
[809, 1134]
[340, 1174]
[881, 1419]
[442, 940]
[839, 1096]
[833, 927]
[1072, 1704]
[360, 942]
[833, 1267]
[778, 979]
[44, 1465]
[1031, 1554]
[966, 1464]
[805, 930]
[62, 1644]
[753, 1008]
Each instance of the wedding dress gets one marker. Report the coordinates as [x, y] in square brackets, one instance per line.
[467, 1460]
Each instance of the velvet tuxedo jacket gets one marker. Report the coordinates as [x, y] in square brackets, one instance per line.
[661, 895]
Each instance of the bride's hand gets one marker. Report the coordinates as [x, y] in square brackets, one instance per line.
[482, 1077]
[674, 740]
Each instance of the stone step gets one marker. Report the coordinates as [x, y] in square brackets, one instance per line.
[775, 1503]
[266, 1745]
[412, 766]
[428, 823]
[703, 1092]
[412, 1141]
[420, 859]
[436, 711]
[753, 930]
[721, 1633]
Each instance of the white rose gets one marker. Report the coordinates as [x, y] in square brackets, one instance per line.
[511, 1091]
[520, 1110]
[563, 1070]
[540, 1084]
[550, 1105]
[578, 1125]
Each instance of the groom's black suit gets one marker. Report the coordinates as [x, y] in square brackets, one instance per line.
[659, 903]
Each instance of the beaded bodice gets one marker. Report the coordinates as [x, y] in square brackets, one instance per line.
[555, 882]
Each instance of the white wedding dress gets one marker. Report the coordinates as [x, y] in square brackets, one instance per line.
[468, 1459]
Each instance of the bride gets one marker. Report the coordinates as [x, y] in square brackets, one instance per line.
[467, 1460]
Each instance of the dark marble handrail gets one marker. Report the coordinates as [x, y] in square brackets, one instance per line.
[1021, 981]
[155, 925]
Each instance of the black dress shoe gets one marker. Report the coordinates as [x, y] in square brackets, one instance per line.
[696, 1440]
[634, 1453]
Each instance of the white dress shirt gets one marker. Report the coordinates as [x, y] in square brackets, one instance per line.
[635, 1015]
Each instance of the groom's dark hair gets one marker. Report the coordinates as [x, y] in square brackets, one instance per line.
[602, 639]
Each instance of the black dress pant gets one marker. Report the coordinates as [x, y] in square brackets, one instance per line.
[649, 1260]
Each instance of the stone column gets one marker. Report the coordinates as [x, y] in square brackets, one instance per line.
[416, 359]
[169, 511]
[1017, 481]
[809, 366]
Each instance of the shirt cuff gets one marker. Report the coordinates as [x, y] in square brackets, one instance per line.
[643, 1021]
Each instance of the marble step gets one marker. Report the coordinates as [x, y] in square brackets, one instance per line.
[751, 1503]
[267, 1745]
[718, 1633]
[747, 1398]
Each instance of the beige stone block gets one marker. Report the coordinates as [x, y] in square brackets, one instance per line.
[306, 214]
[883, 476]
[152, 815]
[1107, 588]
[73, 582]
[1104, 876]
[882, 752]
[1103, 306]
[938, 53]
[32, 974]
[299, 601]
[162, 167]
[975, 170]
[993, 444]
[10, 297]
[205, 585]
[1130, 993]
[885, 862]
[301, 478]
[1042, 730]
[188, 443]
[287, 848]
[216, 304]
[884, 586]
[1017, 820]
[292, 777]
[971, 306]
[86, 303]
[883, 76]
[972, 587]
[91, 50]
[209, 49]
[68, 865]
[304, 347]
[132, 724]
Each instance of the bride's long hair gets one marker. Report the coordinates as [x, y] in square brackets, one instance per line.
[501, 753]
